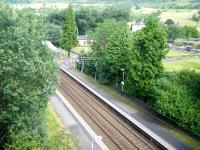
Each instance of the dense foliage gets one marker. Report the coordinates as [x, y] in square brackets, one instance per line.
[87, 18]
[149, 48]
[54, 34]
[174, 95]
[140, 54]
[174, 31]
[57, 17]
[112, 45]
[196, 17]
[69, 39]
[27, 79]
[177, 97]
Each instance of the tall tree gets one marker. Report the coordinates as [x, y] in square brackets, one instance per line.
[69, 36]
[27, 79]
[118, 53]
[149, 48]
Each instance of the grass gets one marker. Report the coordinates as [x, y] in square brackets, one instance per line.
[57, 138]
[185, 138]
[128, 101]
[172, 54]
[41, 5]
[53, 124]
[190, 64]
[143, 10]
[183, 17]
[81, 50]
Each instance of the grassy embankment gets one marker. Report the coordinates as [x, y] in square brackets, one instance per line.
[58, 137]
[190, 64]
[187, 63]
[172, 54]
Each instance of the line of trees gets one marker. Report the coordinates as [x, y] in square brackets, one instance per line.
[174, 31]
[87, 18]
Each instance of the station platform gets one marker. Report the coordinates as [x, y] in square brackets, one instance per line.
[149, 121]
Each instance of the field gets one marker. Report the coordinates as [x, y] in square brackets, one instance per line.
[181, 16]
[173, 53]
[58, 5]
[190, 64]
[57, 138]
[41, 5]
[143, 10]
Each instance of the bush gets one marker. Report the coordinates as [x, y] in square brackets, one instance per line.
[177, 97]
[54, 34]
[27, 77]
[23, 139]
[197, 46]
[179, 42]
[61, 141]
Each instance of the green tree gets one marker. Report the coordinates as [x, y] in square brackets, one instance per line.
[190, 32]
[169, 22]
[56, 17]
[118, 54]
[173, 33]
[54, 34]
[27, 78]
[69, 37]
[87, 18]
[101, 36]
[149, 48]
[112, 44]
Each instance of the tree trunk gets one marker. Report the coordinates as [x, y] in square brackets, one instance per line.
[69, 53]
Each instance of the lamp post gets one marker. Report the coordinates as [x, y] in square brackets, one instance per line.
[95, 71]
[82, 64]
[122, 82]
[96, 138]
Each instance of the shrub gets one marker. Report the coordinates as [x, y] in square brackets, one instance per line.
[179, 42]
[61, 141]
[177, 97]
[197, 46]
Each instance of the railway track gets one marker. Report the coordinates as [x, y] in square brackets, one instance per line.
[116, 133]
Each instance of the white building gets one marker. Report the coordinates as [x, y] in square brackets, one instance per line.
[137, 26]
[83, 40]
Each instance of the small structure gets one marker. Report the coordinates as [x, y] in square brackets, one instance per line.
[137, 26]
[82, 40]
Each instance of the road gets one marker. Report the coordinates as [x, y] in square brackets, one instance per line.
[183, 49]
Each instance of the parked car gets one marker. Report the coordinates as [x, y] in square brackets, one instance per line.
[188, 48]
